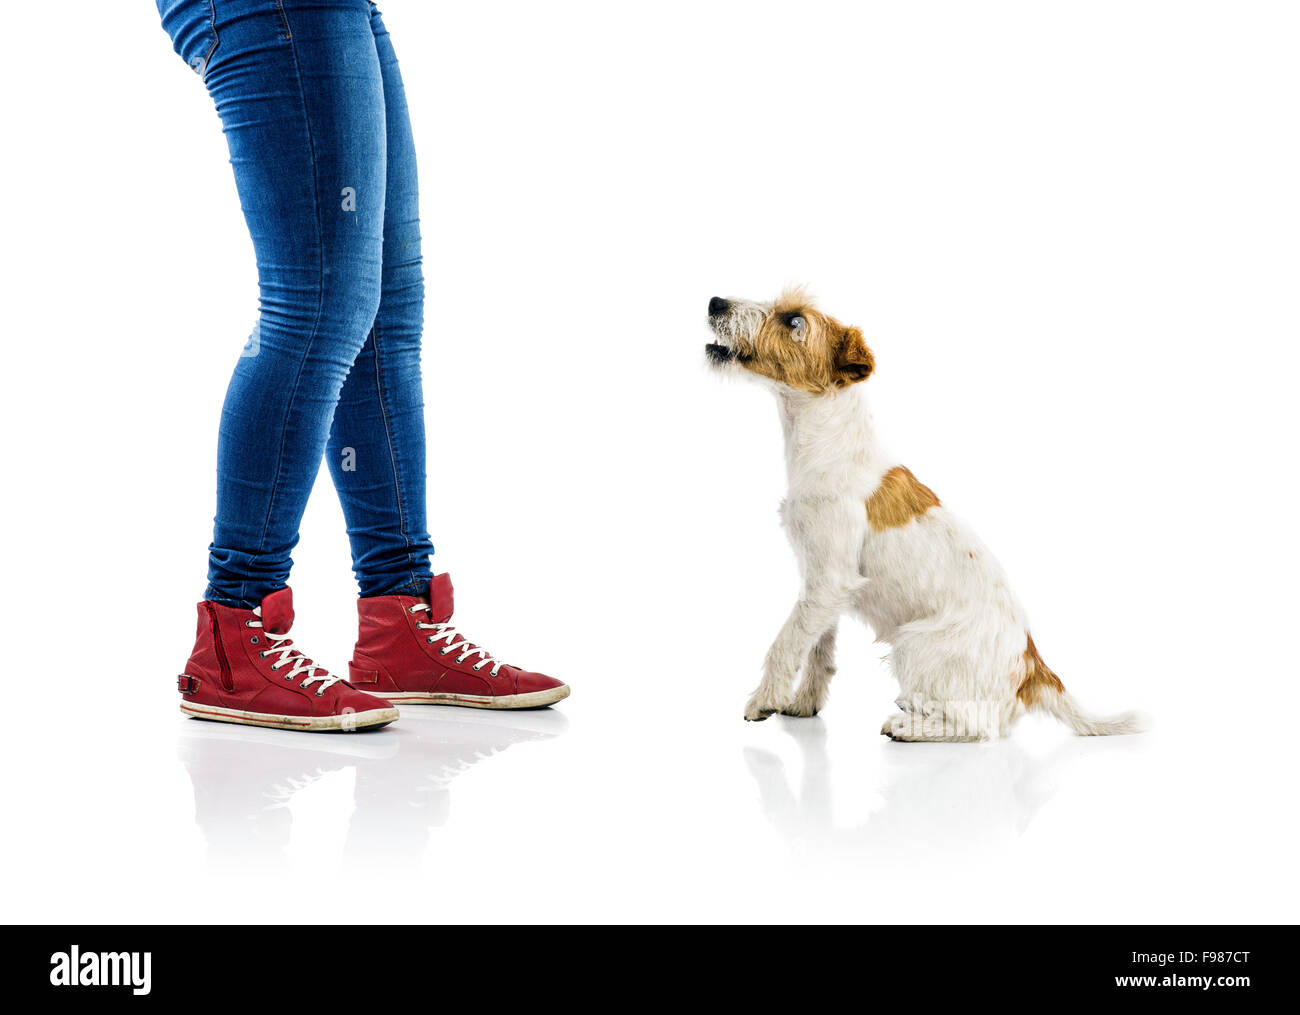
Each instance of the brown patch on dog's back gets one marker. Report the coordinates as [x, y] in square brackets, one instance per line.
[1038, 676]
[898, 499]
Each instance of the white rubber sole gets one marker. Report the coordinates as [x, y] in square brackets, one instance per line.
[533, 699]
[373, 717]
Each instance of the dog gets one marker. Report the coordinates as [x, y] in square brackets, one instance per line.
[874, 541]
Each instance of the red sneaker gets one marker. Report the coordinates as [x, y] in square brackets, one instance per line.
[409, 653]
[244, 669]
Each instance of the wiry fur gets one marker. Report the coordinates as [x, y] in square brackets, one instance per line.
[873, 541]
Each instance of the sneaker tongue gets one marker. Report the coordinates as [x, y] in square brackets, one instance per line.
[441, 602]
[277, 611]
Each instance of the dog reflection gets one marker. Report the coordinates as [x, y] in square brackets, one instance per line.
[939, 799]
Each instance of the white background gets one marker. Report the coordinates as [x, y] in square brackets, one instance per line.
[1069, 232]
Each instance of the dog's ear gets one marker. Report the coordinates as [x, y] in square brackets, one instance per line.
[854, 361]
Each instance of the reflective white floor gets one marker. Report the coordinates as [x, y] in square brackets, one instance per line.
[571, 814]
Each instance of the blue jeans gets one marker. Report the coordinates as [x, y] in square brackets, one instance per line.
[312, 106]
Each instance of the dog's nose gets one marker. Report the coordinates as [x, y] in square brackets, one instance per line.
[718, 306]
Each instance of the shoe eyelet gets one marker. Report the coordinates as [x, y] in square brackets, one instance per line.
[248, 623]
[289, 677]
[461, 659]
[429, 640]
[477, 667]
[253, 640]
[263, 655]
[276, 666]
[442, 652]
[320, 694]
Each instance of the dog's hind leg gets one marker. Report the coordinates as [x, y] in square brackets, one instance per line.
[935, 726]
[957, 721]
[818, 670]
[952, 682]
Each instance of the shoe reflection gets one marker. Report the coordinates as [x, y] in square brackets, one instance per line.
[937, 799]
[245, 778]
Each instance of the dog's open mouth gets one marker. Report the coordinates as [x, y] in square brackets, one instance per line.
[719, 353]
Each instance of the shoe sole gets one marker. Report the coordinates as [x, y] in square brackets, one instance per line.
[533, 699]
[372, 718]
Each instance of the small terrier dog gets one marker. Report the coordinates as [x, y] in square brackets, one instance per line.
[873, 540]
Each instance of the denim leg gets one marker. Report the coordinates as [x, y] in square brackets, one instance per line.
[376, 450]
[298, 88]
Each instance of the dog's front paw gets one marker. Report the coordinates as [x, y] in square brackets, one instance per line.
[759, 707]
[802, 707]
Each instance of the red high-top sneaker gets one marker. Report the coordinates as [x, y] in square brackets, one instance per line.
[244, 669]
[409, 653]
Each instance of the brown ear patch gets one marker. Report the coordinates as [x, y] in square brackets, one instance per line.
[854, 362]
[1038, 676]
[819, 355]
[898, 499]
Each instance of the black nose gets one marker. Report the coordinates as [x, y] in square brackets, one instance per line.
[718, 306]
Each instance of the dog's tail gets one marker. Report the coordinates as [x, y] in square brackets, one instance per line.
[1042, 689]
[1065, 708]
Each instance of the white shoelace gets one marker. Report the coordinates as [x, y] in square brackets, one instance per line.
[449, 634]
[289, 654]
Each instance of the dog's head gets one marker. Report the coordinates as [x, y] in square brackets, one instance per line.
[789, 342]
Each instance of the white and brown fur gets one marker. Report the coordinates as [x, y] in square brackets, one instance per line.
[872, 540]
